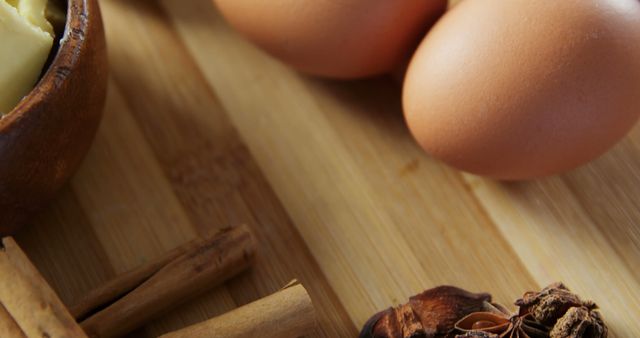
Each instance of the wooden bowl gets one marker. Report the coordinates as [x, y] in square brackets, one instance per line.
[44, 139]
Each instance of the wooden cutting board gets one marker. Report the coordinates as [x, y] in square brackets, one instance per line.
[202, 130]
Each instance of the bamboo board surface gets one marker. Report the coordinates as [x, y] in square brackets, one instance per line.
[202, 130]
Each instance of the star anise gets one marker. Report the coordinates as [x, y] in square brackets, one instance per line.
[500, 323]
[451, 312]
[431, 314]
[477, 334]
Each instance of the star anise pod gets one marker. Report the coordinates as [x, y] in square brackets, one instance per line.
[550, 304]
[580, 322]
[477, 334]
[431, 314]
[500, 323]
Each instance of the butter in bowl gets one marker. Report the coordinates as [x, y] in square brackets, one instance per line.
[27, 35]
[53, 78]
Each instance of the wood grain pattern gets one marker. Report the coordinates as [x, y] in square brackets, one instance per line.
[202, 130]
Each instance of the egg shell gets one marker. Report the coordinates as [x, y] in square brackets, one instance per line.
[519, 89]
[338, 39]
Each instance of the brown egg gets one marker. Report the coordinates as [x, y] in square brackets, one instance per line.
[518, 89]
[339, 39]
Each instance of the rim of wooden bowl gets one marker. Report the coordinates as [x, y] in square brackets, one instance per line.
[70, 46]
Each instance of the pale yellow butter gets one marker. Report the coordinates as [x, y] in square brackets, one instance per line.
[25, 43]
[34, 12]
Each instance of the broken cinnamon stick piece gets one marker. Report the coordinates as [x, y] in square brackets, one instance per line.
[8, 326]
[204, 265]
[288, 313]
[29, 300]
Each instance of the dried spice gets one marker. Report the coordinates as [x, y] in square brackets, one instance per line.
[431, 314]
[477, 334]
[580, 322]
[449, 312]
[501, 323]
[548, 305]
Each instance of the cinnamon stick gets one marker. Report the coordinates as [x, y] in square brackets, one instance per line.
[28, 300]
[288, 313]
[206, 263]
[8, 326]
[121, 285]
